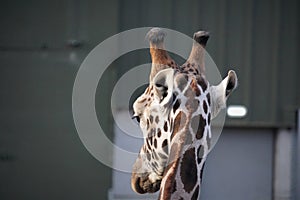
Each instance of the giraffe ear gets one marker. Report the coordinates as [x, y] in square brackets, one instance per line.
[163, 84]
[231, 82]
[221, 92]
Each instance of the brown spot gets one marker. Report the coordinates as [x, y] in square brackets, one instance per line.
[170, 63]
[148, 156]
[155, 143]
[202, 82]
[199, 160]
[201, 172]
[181, 81]
[150, 139]
[158, 132]
[156, 165]
[196, 193]
[164, 146]
[208, 119]
[201, 126]
[188, 138]
[151, 133]
[192, 104]
[179, 123]
[151, 119]
[200, 154]
[189, 93]
[155, 155]
[142, 101]
[156, 119]
[147, 124]
[205, 107]
[176, 105]
[148, 144]
[208, 98]
[166, 126]
[188, 170]
[153, 165]
[195, 88]
[147, 90]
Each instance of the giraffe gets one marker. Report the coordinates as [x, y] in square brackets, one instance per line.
[174, 114]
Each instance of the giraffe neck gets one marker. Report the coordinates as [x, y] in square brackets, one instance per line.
[189, 144]
[183, 178]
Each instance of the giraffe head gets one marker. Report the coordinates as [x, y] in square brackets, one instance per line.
[174, 114]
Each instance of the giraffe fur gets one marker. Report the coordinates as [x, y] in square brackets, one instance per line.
[175, 114]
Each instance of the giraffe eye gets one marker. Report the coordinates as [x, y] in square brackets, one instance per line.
[137, 118]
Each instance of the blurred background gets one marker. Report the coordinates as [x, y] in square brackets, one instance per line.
[43, 43]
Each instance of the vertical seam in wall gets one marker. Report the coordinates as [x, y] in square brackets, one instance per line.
[275, 131]
[297, 192]
[275, 55]
[282, 165]
[248, 55]
[173, 6]
[120, 12]
[298, 60]
[222, 43]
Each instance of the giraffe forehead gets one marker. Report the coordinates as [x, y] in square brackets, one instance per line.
[180, 81]
[189, 92]
[184, 81]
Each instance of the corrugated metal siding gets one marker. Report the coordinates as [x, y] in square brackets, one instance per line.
[258, 39]
[40, 153]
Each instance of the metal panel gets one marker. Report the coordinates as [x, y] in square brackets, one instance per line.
[42, 154]
[55, 24]
[33, 24]
[283, 165]
[289, 61]
[240, 166]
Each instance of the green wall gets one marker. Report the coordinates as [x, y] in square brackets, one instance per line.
[43, 43]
